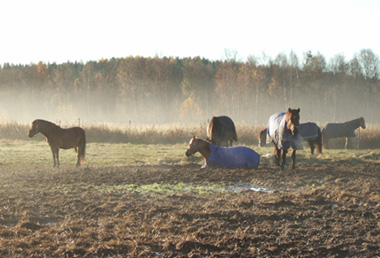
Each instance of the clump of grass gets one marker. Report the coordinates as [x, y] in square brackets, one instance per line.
[14, 131]
[177, 133]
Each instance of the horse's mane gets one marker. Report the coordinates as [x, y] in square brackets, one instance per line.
[46, 123]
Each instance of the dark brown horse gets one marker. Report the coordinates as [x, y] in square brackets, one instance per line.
[283, 133]
[347, 129]
[59, 138]
[221, 131]
[310, 132]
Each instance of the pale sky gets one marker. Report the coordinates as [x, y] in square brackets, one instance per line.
[83, 30]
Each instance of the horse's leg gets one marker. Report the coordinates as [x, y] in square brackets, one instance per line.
[283, 165]
[57, 155]
[318, 142]
[347, 143]
[79, 154]
[294, 159]
[325, 142]
[312, 147]
[277, 153]
[53, 152]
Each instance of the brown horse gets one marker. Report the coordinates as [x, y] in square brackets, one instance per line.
[347, 129]
[283, 132]
[59, 138]
[221, 131]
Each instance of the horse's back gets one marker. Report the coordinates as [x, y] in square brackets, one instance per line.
[276, 124]
[234, 157]
[279, 135]
[72, 137]
[229, 126]
[308, 131]
[220, 129]
[334, 130]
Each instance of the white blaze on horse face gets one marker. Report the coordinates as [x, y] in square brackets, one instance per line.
[190, 150]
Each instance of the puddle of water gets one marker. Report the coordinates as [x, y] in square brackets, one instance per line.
[9, 222]
[268, 155]
[250, 188]
[246, 187]
[46, 220]
[12, 222]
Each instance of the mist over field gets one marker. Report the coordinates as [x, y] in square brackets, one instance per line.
[141, 90]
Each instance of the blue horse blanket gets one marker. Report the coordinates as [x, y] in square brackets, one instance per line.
[278, 134]
[308, 131]
[233, 157]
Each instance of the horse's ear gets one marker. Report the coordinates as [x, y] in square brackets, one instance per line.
[289, 109]
[298, 110]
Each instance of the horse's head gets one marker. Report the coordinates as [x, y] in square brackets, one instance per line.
[362, 122]
[194, 146]
[34, 129]
[292, 119]
[262, 137]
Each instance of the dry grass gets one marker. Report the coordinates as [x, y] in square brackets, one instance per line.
[177, 133]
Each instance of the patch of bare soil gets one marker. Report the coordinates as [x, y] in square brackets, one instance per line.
[317, 210]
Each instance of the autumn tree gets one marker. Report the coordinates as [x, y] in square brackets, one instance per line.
[198, 84]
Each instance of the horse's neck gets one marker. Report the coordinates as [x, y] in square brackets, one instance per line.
[354, 123]
[286, 121]
[205, 151]
[48, 130]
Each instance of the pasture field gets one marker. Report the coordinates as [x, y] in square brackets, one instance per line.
[149, 200]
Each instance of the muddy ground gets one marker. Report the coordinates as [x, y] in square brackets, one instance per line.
[318, 210]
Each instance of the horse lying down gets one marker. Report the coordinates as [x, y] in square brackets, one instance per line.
[227, 157]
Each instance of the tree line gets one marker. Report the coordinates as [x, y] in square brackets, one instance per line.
[168, 89]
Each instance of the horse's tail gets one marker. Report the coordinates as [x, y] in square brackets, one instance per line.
[234, 135]
[82, 150]
[210, 129]
[319, 141]
[324, 138]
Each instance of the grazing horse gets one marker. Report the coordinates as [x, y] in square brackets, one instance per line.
[347, 129]
[227, 157]
[58, 137]
[221, 131]
[283, 133]
[310, 132]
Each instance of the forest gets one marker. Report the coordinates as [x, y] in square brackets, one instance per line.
[152, 90]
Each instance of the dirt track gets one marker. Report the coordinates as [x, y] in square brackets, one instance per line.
[319, 210]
